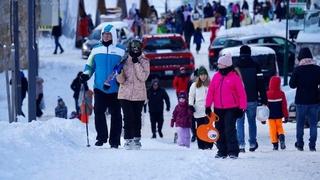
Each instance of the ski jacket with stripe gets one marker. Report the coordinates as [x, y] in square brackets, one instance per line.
[102, 60]
[226, 92]
[277, 102]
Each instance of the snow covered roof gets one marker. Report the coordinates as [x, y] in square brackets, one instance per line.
[306, 37]
[255, 50]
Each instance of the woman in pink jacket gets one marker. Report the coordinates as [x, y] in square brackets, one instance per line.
[226, 92]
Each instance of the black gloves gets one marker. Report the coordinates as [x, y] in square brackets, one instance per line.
[208, 111]
[239, 113]
[168, 109]
[84, 78]
[192, 108]
[285, 120]
[135, 59]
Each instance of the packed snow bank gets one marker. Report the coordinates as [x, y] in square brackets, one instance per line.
[55, 149]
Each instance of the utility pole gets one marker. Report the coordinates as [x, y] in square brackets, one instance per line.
[31, 62]
[6, 68]
[286, 51]
[16, 81]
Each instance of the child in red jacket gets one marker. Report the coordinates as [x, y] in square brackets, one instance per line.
[277, 104]
[180, 81]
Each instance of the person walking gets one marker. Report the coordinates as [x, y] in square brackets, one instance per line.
[133, 93]
[252, 78]
[227, 93]
[75, 86]
[277, 104]
[156, 95]
[56, 33]
[181, 118]
[101, 62]
[197, 97]
[306, 79]
[198, 39]
[181, 80]
[188, 30]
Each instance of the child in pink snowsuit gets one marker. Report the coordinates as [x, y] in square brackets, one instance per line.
[182, 117]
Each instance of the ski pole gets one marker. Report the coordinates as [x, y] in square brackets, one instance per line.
[88, 144]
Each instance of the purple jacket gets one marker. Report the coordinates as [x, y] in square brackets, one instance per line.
[182, 116]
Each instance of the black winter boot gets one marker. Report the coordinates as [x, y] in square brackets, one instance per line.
[282, 141]
[275, 146]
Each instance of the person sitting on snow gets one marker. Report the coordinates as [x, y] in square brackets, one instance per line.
[61, 111]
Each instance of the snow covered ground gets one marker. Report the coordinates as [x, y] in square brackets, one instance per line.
[53, 148]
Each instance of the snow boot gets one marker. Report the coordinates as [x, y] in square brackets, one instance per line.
[233, 156]
[99, 143]
[220, 156]
[282, 141]
[160, 134]
[193, 138]
[153, 136]
[136, 143]
[128, 145]
[254, 147]
[275, 146]
[300, 148]
[312, 149]
[175, 138]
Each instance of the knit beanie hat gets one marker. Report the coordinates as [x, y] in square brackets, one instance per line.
[202, 70]
[225, 60]
[304, 53]
[182, 95]
[245, 50]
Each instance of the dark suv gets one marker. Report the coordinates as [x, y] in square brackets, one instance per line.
[276, 43]
[167, 53]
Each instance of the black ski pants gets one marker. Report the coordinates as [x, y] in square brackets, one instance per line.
[228, 142]
[102, 101]
[156, 118]
[132, 118]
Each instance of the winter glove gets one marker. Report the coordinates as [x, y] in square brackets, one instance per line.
[239, 113]
[168, 109]
[192, 109]
[84, 78]
[286, 120]
[135, 59]
[208, 111]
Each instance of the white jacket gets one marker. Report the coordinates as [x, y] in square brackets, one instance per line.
[197, 99]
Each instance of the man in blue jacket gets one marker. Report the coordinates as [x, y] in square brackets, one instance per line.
[101, 62]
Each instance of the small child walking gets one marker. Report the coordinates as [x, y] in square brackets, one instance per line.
[182, 118]
[277, 104]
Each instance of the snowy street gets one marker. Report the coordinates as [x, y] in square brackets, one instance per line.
[53, 148]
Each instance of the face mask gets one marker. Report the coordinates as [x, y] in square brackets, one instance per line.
[225, 71]
[108, 43]
[135, 49]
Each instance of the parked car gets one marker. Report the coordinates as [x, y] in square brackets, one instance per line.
[167, 53]
[123, 33]
[214, 50]
[276, 43]
[292, 116]
[264, 56]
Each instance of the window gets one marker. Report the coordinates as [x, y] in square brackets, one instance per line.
[164, 43]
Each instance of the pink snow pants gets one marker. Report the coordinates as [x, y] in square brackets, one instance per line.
[183, 136]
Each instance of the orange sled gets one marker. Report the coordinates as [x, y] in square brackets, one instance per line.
[206, 132]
